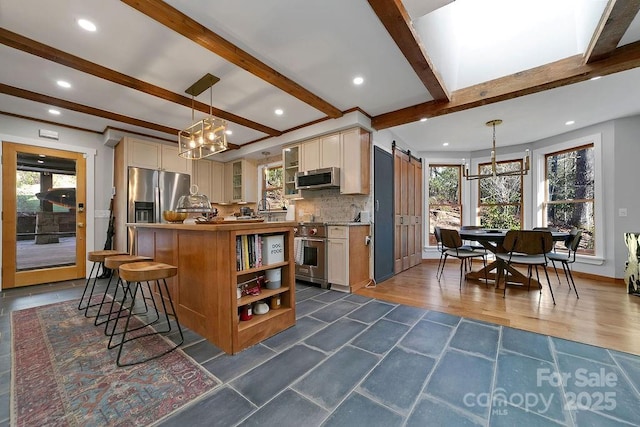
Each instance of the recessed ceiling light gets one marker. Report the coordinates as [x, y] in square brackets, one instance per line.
[63, 84]
[279, 111]
[596, 77]
[228, 132]
[54, 112]
[445, 144]
[569, 123]
[41, 155]
[358, 80]
[85, 24]
[424, 119]
[41, 161]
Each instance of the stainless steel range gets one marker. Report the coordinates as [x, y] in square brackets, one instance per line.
[310, 249]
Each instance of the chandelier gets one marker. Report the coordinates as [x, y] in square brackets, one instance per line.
[207, 136]
[523, 168]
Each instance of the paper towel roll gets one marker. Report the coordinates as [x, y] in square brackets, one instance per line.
[291, 213]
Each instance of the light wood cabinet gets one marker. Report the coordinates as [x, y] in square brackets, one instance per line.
[209, 177]
[355, 161]
[204, 290]
[322, 152]
[310, 155]
[347, 257]
[151, 155]
[330, 151]
[218, 183]
[291, 165]
[202, 176]
[241, 181]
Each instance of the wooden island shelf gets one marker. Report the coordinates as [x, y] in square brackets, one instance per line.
[204, 291]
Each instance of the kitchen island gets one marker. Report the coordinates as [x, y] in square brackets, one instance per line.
[209, 273]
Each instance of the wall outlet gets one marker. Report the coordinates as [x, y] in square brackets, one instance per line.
[622, 212]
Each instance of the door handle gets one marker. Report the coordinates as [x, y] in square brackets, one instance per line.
[377, 205]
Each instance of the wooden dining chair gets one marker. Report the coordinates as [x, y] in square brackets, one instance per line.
[567, 258]
[452, 244]
[529, 248]
[438, 235]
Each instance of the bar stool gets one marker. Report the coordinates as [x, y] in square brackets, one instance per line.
[134, 274]
[114, 263]
[97, 257]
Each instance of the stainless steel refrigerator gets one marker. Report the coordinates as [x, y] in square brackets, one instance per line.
[149, 192]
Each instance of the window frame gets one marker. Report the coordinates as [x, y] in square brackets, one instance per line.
[539, 156]
[429, 236]
[480, 205]
[262, 183]
[546, 202]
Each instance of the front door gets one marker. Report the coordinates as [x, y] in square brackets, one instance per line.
[43, 215]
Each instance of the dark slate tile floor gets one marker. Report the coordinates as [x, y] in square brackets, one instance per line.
[355, 361]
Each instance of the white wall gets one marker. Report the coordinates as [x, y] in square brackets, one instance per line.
[626, 179]
[99, 165]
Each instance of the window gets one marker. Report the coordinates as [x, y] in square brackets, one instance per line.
[272, 193]
[445, 208]
[570, 193]
[500, 201]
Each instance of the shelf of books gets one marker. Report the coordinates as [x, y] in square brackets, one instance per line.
[265, 283]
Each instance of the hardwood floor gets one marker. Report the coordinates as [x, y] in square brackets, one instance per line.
[605, 315]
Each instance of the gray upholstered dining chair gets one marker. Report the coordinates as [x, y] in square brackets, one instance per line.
[567, 258]
[453, 247]
[529, 248]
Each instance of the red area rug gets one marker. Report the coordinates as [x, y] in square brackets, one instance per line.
[63, 374]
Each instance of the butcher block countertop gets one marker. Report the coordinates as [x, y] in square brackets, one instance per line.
[216, 226]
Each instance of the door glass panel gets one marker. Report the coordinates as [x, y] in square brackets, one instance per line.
[46, 212]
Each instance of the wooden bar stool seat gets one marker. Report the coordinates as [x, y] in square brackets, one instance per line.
[135, 274]
[97, 257]
[113, 262]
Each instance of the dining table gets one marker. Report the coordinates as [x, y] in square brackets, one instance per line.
[492, 239]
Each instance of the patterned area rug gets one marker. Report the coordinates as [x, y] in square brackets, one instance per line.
[63, 374]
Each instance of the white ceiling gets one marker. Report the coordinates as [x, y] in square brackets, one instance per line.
[320, 45]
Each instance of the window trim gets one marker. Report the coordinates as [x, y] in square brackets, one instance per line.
[261, 181]
[427, 223]
[539, 156]
[480, 205]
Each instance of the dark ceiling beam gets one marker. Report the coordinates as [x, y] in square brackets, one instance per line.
[556, 74]
[33, 47]
[614, 22]
[396, 20]
[68, 105]
[189, 28]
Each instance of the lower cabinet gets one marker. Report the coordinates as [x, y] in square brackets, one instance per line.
[348, 257]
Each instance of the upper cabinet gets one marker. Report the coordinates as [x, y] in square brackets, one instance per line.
[320, 153]
[355, 161]
[349, 150]
[209, 177]
[218, 183]
[291, 165]
[241, 181]
[202, 177]
[151, 155]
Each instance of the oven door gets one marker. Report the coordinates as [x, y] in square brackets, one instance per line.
[313, 266]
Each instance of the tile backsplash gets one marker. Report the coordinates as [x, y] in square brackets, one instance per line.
[329, 205]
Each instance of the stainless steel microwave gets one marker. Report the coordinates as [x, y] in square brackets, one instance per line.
[318, 179]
